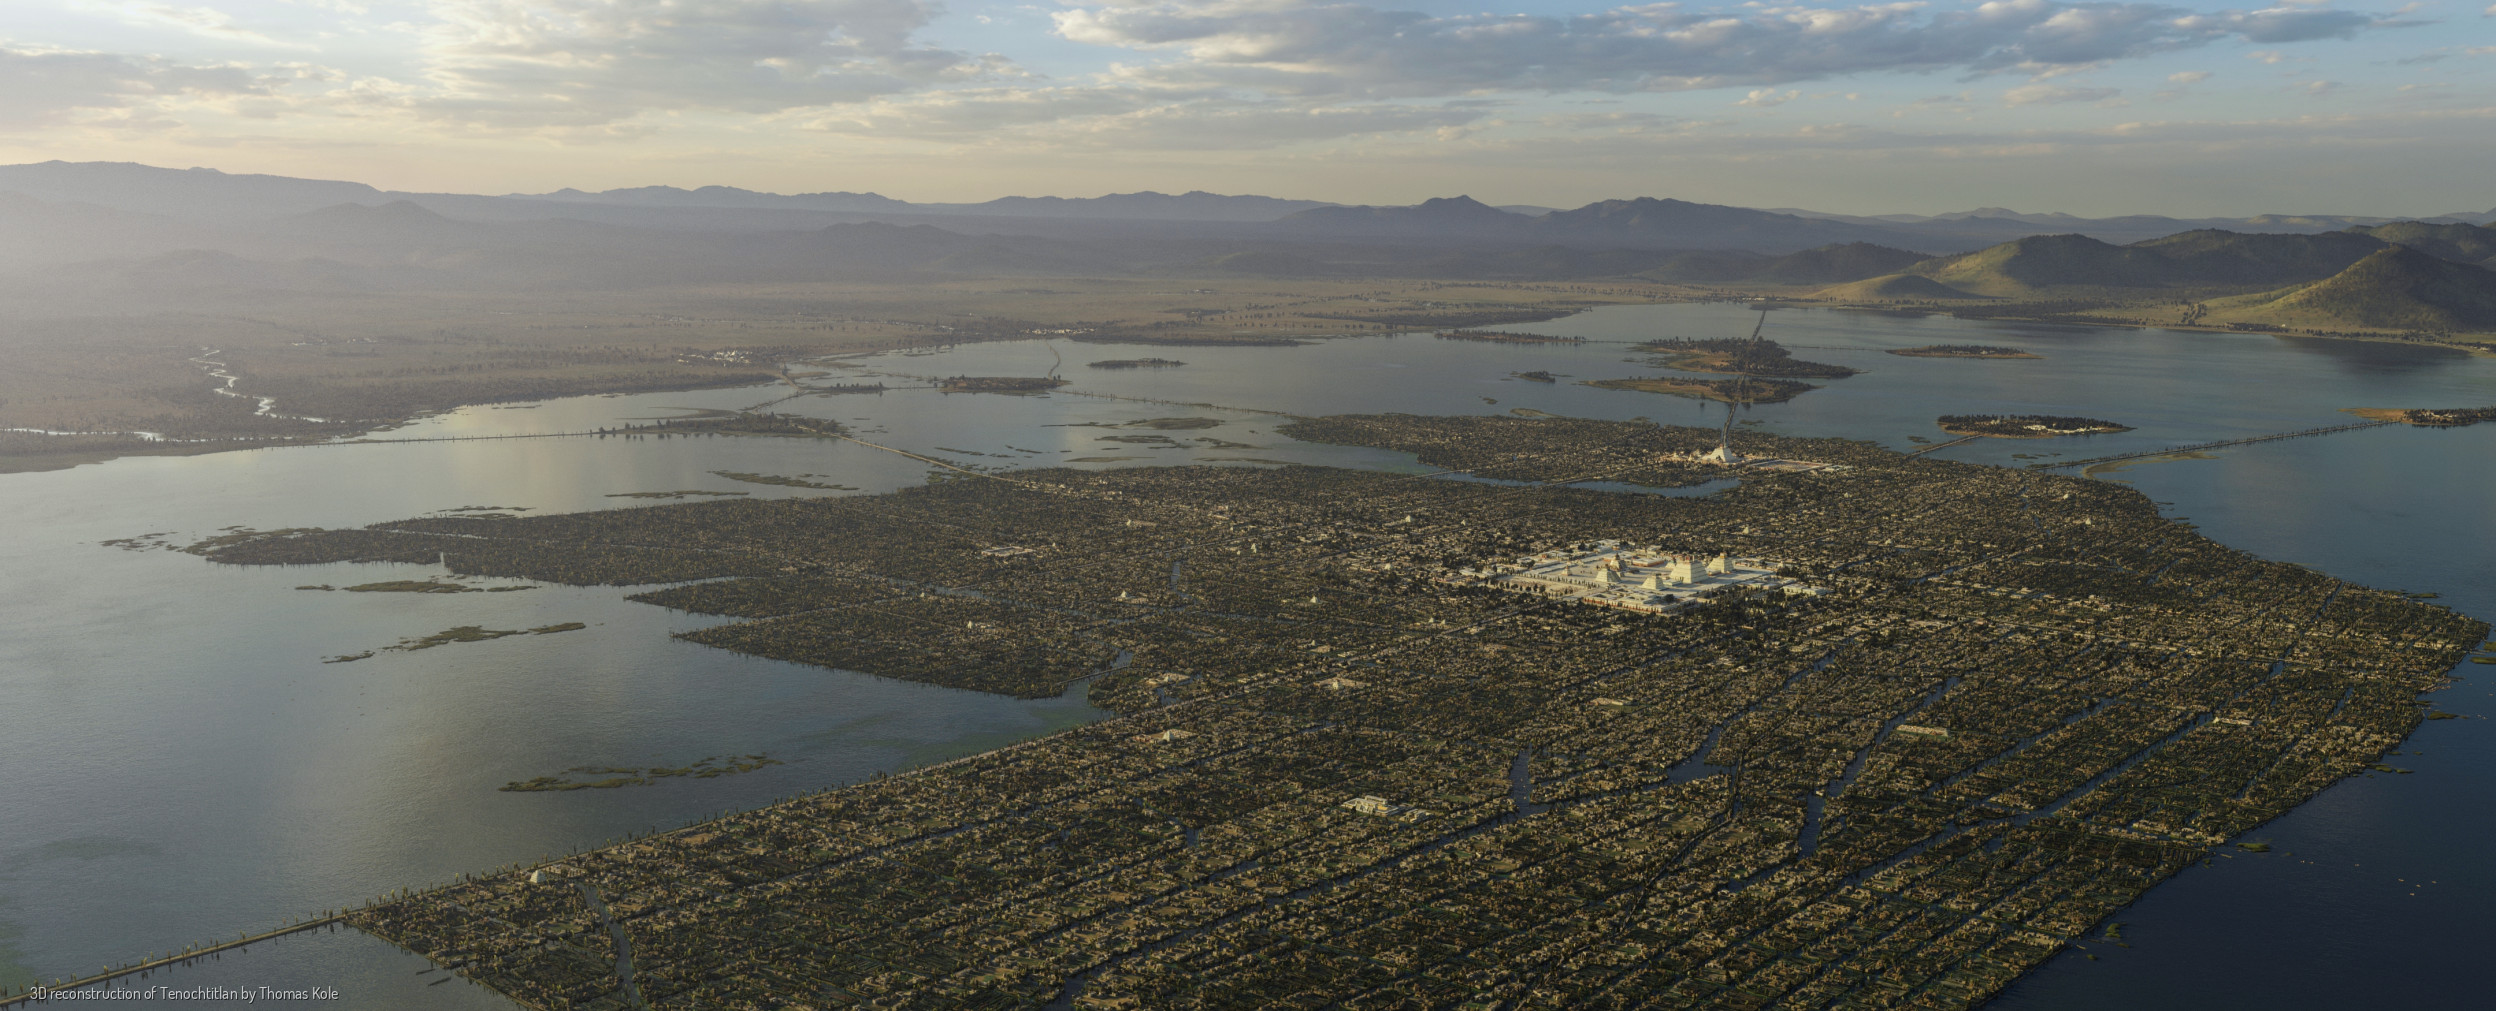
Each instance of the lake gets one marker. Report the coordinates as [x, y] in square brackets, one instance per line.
[181, 766]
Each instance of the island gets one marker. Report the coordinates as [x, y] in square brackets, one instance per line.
[712, 422]
[1000, 384]
[1138, 363]
[1903, 726]
[1536, 376]
[1748, 357]
[1962, 351]
[1499, 337]
[2428, 417]
[2025, 426]
[1730, 391]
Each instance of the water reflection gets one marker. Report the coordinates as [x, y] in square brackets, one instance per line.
[197, 770]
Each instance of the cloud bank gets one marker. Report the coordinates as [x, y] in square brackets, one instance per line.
[587, 62]
[1348, 50]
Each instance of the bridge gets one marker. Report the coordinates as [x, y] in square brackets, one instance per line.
[2199, 446]
[57, 989]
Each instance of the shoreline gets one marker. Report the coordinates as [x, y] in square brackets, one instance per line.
[1037, 740]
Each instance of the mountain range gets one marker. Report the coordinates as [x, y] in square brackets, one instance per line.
[208, 195]
[102, 228]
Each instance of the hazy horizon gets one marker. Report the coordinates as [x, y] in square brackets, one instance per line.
[2092, 109]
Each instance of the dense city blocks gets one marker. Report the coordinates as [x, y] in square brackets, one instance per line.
[1937, 721]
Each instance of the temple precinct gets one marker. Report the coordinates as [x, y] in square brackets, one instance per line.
[1649, 579]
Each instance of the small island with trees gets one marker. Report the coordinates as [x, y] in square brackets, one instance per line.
[1497, 337]
[1962, 351]
[1000, 384]
[1741, 357]
[714, 422]
[2026, 426]
[2428, 417]
[1138, 363]
[1730, 391]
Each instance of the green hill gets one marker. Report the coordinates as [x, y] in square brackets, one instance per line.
[2038, 262]
[2397, 288]
[1848, 261]
[2465, 243]
[2210, 256]
[1894, 288]
[2202, 259]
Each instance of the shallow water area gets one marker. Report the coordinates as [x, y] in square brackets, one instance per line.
[181, 765]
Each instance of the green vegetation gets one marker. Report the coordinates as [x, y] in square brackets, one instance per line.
[2395, 288]
[464, 633]
[2025, 426]
[2461, 243]
[1741, 357]
[787, 482]
[1961, 351]
[681, 493]
[1501, 337]
[1138, 363]
[1744, 391]
[2195, 260]
[1000, 384]
[708, 768]
[410, 586]
[2429, 417]
[709, 422]
[1894, 289]
[417, 586]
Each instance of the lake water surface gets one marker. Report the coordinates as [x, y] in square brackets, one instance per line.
[179, 765]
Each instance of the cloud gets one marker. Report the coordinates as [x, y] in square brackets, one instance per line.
[1126, 117]
[2189, 77]
[524, 63]
[1763, 98]
[1314, 47]
[207, 22]
[2048, 94]
[48, 87]
[2320, 87]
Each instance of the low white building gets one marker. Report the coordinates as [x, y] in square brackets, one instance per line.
[1647, 580]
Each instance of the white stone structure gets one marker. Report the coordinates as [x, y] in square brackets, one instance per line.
[1647, 580]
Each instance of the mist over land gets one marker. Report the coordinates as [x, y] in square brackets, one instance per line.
[348, 307]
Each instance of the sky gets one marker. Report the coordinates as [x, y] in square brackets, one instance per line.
[2312, 106]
